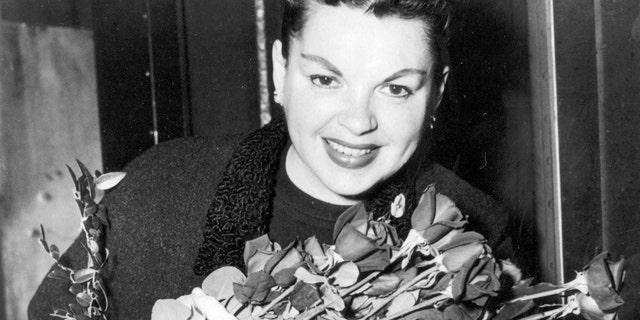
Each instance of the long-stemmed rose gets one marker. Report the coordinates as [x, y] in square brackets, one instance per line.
[597, 291]
[363, 240]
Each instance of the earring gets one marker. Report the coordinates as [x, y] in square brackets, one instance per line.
[276, 97]
[433, 121]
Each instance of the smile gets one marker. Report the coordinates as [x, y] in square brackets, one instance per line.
[348, 151]
[350, 156]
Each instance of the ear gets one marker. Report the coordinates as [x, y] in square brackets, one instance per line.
[443, 83]
[279, 66]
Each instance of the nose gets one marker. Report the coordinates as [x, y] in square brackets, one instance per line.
[357, 115]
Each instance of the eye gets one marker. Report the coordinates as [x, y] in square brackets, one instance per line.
[324, 81]
[396, 91]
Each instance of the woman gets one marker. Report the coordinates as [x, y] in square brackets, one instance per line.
[359, 82]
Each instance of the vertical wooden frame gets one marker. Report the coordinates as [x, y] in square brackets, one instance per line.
[543, 100]
[566, 128]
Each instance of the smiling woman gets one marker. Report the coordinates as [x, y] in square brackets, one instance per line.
[356, 90]
[359, 82]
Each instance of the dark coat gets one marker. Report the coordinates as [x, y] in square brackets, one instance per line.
[158, 211]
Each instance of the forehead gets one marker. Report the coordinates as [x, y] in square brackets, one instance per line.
[345, 32]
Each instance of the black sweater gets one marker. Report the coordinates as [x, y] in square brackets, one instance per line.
[158, 212]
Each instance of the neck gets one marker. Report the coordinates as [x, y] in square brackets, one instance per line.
[311, 184]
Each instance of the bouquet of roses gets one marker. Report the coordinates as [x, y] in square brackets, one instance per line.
[440, 271]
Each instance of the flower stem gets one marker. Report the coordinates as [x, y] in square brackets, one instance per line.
[402, 289]
[360, 283]
[539, 294]
[546, 314]
[275, 301]
[421, 305]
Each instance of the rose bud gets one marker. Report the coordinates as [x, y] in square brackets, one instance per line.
[436, 216]
[314, 250]
[453, 259]
[603, 280]
[257, 252]
[589, 309]
[360, 239]
[283, 265]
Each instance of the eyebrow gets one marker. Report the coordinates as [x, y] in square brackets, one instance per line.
[406, 72]
[324, 62]
[398, 74]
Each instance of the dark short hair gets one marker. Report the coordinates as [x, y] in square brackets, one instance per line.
[435, 14]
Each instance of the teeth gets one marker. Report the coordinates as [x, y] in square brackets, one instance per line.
[348, 151]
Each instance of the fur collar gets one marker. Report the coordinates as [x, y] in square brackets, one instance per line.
[241, 207]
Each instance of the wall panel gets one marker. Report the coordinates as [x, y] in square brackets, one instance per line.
[48, 118]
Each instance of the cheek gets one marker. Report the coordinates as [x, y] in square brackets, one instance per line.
[405, 129]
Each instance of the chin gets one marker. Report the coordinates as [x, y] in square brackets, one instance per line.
[351, 187]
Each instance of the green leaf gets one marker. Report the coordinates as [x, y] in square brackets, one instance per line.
[76, 288]
[83, 275]
[258, 286]
[514, 309]
[43, 241]
[383, 285]
[285, 277]
[84, 299]
[109, 180]
[54, 252]
[73, 176]
[238, 292]
[304, 295]
[58, 273]
[404, 301]
[88, 178]
[345, 275]
[102, 215]
[60, 312]
[219, 283]
[76, 308]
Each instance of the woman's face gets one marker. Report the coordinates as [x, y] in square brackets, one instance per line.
[355, 91]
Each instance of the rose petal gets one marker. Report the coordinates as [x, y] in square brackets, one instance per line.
[352, 245]
[357, 210]
[258, 260]
[424, 213]
[170, 309]
[212, 309]
[600, 283]
[589, 309]
[219, 283]
[455, 258]
[446, 209]
[261, 243]
[292, 258]
[312, 246]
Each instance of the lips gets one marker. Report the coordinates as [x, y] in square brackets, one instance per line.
[351, 156]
